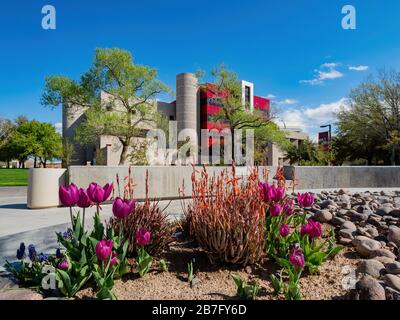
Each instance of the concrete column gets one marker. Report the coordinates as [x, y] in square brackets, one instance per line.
[43, 187]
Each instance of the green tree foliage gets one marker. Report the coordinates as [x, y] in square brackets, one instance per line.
[32, 138]
[369, 129]
[308, 153]
[130, 87]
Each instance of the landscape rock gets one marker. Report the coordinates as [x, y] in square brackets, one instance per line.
[323, 216]
[349, 225]
[371, 267]
[366, 246]
[384, 253]
[392, 281]
[367, 288]
[393, 268]
[384, 260]
[394, 235]
[392, 294]
[383, 211]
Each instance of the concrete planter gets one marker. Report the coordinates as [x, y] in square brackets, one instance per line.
[43, 187]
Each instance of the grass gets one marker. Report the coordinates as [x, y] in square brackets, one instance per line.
[13, 177]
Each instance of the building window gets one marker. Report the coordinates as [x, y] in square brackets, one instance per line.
[171, 118]
[247, 96]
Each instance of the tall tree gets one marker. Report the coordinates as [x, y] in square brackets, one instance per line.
[131, 90]
[36, 139]
[371, 126]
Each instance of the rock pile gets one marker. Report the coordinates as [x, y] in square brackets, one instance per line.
[370, 222]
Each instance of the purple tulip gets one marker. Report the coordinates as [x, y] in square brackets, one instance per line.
[68, 195]
[123, 208]
[312, 229]
[84, 201]
[284, 230]
[143, 237]
[296, 257]
[305, 200]
[275, 210]
[104, 249]
[98, 194]
[63, 265]
[270, 192]
[288, 207]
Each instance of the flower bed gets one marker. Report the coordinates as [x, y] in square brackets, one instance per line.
[243, 239]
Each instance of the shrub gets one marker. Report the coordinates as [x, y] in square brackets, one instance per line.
[227, 216]
[147, 216]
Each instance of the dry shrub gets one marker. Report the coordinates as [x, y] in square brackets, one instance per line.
[227, 216]
[147, 215]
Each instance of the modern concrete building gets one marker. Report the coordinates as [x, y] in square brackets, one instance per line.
[193, 109]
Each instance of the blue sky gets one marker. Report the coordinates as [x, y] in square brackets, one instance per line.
[274, 43]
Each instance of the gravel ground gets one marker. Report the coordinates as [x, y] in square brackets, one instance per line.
[216, 283]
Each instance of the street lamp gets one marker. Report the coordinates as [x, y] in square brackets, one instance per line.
[330, 137]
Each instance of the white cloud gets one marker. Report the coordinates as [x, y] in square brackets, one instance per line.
[271, 96]
[309, 119]
[58, 127]
[288, 102]
[359, 68]
[327, 71]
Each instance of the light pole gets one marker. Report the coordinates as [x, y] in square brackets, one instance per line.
[330, 138]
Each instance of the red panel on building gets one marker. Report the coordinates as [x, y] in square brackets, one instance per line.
[209, 105]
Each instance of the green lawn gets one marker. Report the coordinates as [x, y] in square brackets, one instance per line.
[13, 177]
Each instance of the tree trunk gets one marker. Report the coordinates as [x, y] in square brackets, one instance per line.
[8, 163]
[35, 162]
[124, 154]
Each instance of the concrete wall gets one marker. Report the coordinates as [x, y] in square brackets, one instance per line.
[164, 182]
[345, 177]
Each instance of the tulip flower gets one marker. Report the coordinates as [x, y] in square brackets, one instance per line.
[275, 210]
[98, 194]
[284, 230]
[312, 229]
[296, 257]
[143, 237]
[63, 265]
[305, 200]
[123, 208]
[69, 195]
[83, 201]
[104, 249]
[288, 207]
[271, 193]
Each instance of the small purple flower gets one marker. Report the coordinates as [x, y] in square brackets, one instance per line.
[32, 252]
[68, 234]
[58, 253]
[21, 251]
[63, 265]
[42, 257]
